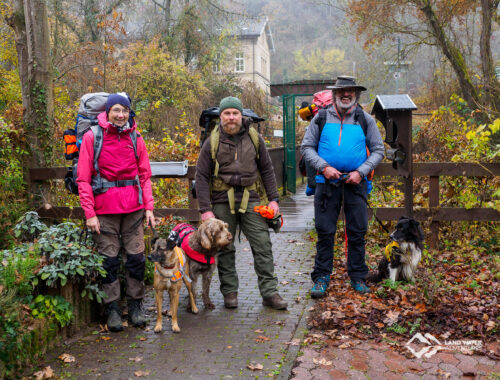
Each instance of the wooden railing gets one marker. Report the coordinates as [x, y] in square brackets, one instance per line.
[43, 174]
[434, 213]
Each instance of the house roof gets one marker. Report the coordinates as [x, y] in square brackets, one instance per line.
[253, 28]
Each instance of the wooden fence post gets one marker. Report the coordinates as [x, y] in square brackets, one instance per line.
[433, 205]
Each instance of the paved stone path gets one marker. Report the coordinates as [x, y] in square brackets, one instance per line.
[379, 361]
[221, 344]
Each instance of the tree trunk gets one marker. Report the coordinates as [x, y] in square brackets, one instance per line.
[490, 83]
[168, 14]
[30, 24]
[453, 54]
[39, 113]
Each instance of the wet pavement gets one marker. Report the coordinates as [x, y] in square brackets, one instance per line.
[218, 344]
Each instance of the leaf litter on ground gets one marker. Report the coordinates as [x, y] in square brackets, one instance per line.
[455, 292]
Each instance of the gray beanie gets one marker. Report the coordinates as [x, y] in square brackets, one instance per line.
[230, 102]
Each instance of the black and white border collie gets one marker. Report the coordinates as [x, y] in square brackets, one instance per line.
[403, 260]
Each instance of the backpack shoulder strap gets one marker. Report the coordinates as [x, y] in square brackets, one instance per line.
[359, 116]
[98, 136]
[254, 136]
[320, 122]
[133, 137]
[214, 147]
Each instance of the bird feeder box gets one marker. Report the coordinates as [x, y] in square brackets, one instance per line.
[395, 113]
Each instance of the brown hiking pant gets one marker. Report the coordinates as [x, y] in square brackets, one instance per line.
[122, 233]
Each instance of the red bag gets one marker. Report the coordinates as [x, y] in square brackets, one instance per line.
[322, 99]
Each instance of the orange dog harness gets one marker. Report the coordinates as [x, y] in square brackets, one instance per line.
[180, 273]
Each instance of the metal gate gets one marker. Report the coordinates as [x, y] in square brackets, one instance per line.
[289, 93]
[290, 179]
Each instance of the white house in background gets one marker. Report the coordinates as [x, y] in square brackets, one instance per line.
[252, 58]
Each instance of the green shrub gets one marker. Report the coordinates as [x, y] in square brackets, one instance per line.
[69, 258]
[12, 186]
[29, 227]
[52, 308]
[16, 275]
[17, 270]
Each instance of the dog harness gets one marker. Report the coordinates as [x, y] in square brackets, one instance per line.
[389, 247]
[185, 230]
[181, 272]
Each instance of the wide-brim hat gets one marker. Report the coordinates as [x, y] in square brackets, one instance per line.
[346, 82]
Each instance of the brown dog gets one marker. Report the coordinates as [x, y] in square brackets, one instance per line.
[171, 267]
[201, 247]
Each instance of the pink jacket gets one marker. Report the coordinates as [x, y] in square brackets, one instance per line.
[116, 162]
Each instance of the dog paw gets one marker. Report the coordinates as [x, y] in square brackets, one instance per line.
[157, 328]
[176, 328]
[209, 306]
[191, 310]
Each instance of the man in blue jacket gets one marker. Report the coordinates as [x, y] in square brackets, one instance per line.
[338, 152]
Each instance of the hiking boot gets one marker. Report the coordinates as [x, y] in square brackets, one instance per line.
[231, 300]
[114, 320]
[275, 301]
[135, 313]
[320, 286]
[360, 286]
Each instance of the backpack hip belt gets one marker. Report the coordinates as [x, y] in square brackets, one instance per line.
[101, 185]
[219, 185]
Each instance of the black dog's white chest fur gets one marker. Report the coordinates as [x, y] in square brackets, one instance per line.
[401, 264]
[404, 266]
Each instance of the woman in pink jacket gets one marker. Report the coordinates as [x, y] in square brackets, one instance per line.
[116, 196]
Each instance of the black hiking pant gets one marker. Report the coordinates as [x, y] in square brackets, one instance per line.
[328, 200]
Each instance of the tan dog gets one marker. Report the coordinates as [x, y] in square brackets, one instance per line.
[171, 267]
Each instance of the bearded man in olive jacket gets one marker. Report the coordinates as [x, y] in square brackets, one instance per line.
[230, 195]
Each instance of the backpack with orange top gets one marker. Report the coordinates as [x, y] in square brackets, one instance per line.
[321, 99]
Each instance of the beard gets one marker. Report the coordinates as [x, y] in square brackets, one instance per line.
[344, 106]
[231, 128]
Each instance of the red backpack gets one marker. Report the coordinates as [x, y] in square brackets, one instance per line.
[322, 99]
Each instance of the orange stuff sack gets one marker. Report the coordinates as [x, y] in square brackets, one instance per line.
[70, 149]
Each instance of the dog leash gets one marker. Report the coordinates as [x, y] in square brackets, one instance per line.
[155, 233]
[373, 212]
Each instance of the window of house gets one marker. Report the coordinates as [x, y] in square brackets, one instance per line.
[263, 65]
[216, 64]
[240, 63]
